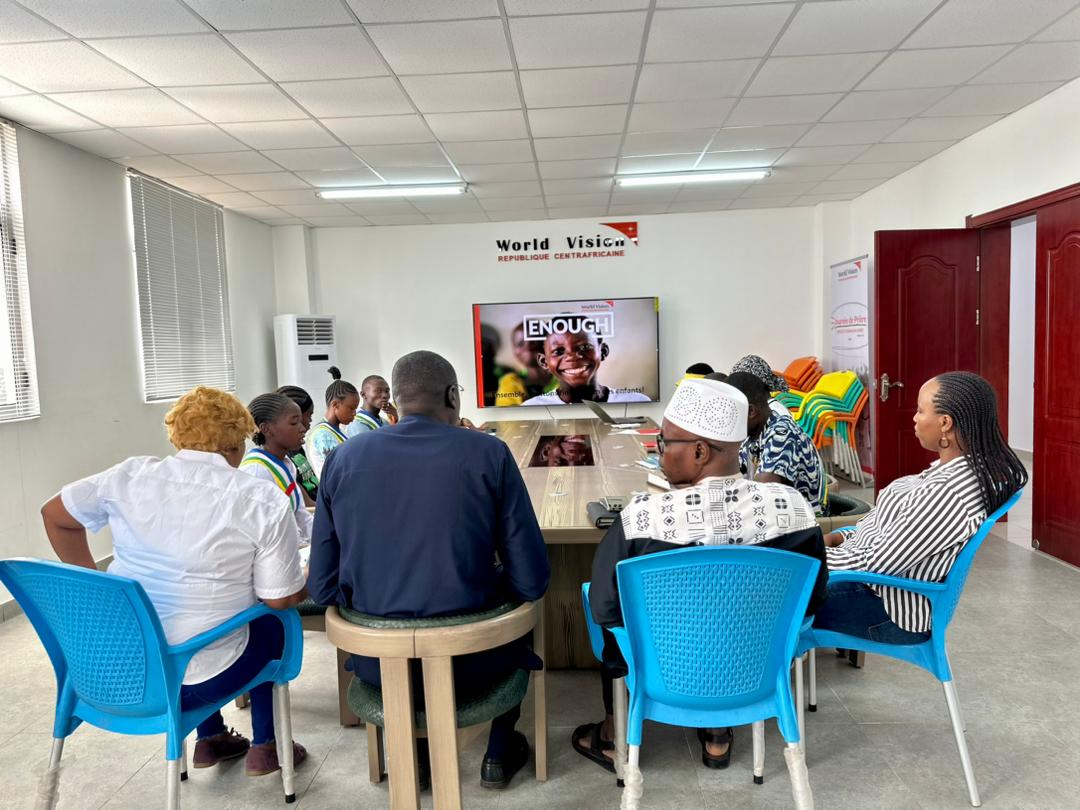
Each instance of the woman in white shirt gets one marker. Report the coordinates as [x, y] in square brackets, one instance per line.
[206, 543]
[921, 522]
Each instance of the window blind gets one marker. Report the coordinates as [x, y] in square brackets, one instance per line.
[183, 291]
[18, 369]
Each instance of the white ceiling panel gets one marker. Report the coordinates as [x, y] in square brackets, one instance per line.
[666, 143]
[515, 151]
[871, 171]
[499, 172]
[593, 146]
[201, 184]
[463, 92]
[238, 102]
[530, 214]
[510, 203]
[519, 189]
[574, 87]
[644, 196]
[753, 202]
[11, 89]
[877, 104]
[800, 174]
[845, 26]
[443, 47]
[740, 159]
[288, 197]
[498, 125]
[380, 129]
[557, 122]
[566, 169]
[38, 112]
[687, 81]
[596, 185]
[902, 152]
[1068, 27]
[421, 175]
[786, 75]
[701, 193]
[849, 132]
[157, 166]
[319, 210]
[986, 22]
[403, 155]
[58, 67]
[820, 155]
[447, 205]
[524, 8]
[184, 139]
[348, 97]
[234, 199]
[764, 188]
[229, 15]
[655, 164]
[352, 221]
[1043, 62]
[941, 68]
[19, 25]
[578, 212]
[311, 53]
[280, 134]
[637, 210]
[353, 177]
[381, 206]
[577, 41]
[679, 115]
[176, 61]
[117, 18]
[264, 182]
[105, 143]
[702, 34]
[129, 108]
[265, 213]
[697, 207]
[758, 137]
[846, 186]
[382, 11]
[454, 219]
[397, 219]
[781, 110]
[577, 200]
[230, 162]
[334, 158]
[940, 129]
[990, 99]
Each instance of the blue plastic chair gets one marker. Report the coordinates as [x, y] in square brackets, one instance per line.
[618, 687]
[115, 670]
[931, 654]
[709, 636]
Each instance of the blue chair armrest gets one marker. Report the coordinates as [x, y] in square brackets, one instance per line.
[928, 589]
[182, 653]
[845, 530]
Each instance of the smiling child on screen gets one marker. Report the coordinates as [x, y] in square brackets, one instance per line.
[574, 358]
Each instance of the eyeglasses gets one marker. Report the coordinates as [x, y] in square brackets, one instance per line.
[661, 443]
[459, 388]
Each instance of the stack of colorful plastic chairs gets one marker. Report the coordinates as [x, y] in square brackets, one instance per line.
[803, 373]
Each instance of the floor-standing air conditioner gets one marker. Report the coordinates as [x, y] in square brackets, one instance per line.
[306, 347]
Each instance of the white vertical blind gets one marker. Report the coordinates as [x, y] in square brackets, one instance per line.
[18, 369]
[183, 291]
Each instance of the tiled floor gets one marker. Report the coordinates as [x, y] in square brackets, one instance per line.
[881, 737]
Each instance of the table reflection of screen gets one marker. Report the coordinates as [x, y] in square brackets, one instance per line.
[563, 451]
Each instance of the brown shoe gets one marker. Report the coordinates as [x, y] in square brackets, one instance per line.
[209, 751]
[263, 759]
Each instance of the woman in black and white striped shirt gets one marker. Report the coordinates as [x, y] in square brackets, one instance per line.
[921, 522]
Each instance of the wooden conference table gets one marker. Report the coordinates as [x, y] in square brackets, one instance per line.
[560, 495]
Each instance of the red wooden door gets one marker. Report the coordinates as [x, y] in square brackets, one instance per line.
[1056, 508]
[925, 299]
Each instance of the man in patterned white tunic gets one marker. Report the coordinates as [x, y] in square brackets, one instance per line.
[704, 427]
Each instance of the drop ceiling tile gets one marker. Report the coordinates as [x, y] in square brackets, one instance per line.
[228, 15]
[990, 99]
[902, 152]
[11, 89]
[768, 137]
[447, 205]
[58, 67]
[687, 81]
[117, 18]
[986, 22]
[941, 129]
[872, 171]
[519, 189]
[342, 98]
[820, 155]
[457, 219]
[238, 102]
[157, 166]
[461, 46]
[801, 174]
[577, 200]
[1049, 61]
[326, 209]
[850, 132]
[234, 199]
[554, 122]
[656, 164]
[590, 146]
[593, 185]
[511, 203]
[710, 191]
[846, 186]
[516, 151]
[815, 199]
[177, 61]
[639, 144]
[637, 210]
[379, 129]
[679, 115]
[524, 215]
[184, 139]
[420, 175]
[403, 155]
[463, 92]
[876, 104]
[105, 143]
[1068, 27]
[353, 177]
[586, 212]
[288, 197]
[499, 172]
[380, 206]
[525, 8]
[754, 202]
[786, 75]
[569, 169]
[201, 184]
[845, 26]
[338, 222]
[333, 158]
[382, 11]
[781, 110]
[574, 87]
[650, 195]
[398, 219]
[129, 108]
[933, 68]
[763, 188]
[280, 134]
[698, 207]
[578, 40]
[230, 162]
[740, 159]
[306, 54]
[477, 126]
[701, 34]
[19, 25]
[38, 112]
[264, 213]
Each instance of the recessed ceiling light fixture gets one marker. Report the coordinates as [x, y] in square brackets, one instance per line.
[445, 190]
[678, 178]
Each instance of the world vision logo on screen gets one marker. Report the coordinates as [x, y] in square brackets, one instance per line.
[605, 245]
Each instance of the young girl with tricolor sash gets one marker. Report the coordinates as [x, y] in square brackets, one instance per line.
[279, 430]
[342, 400]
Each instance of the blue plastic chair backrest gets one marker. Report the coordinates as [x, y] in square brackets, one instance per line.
[596, 636]
[100, 631]
[712, 627]
[946, 603]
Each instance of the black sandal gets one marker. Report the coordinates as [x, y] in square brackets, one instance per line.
[707, 759]
[597, 745]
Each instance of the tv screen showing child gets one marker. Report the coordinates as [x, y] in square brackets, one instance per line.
[562, 352]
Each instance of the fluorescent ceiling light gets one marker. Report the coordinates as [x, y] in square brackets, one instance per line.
[678, 178]
[391, 191]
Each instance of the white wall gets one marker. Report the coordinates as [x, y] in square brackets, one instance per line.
[729, 283]
[1022, 335]
[249, 257]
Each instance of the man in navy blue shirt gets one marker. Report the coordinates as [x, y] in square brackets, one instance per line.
[425, 518]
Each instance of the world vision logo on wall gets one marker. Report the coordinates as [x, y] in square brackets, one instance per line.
[610, 244]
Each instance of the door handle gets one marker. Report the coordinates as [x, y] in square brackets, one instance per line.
[885, 385]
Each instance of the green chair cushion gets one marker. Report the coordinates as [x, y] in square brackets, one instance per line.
[309, 608]
[472, 708]
[383, 623]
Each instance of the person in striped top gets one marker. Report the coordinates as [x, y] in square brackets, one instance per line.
[375, 408]
[921, 522]
[342, 402]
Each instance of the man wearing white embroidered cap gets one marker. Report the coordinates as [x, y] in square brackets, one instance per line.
[710, 504]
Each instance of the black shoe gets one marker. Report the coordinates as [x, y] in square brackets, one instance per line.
[495, 774]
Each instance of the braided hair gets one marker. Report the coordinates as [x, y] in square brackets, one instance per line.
[339, 389]
[266, 408]
[298, 395]
[972, 404]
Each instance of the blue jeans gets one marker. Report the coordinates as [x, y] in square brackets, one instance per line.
[266, 642]
[855, 610]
